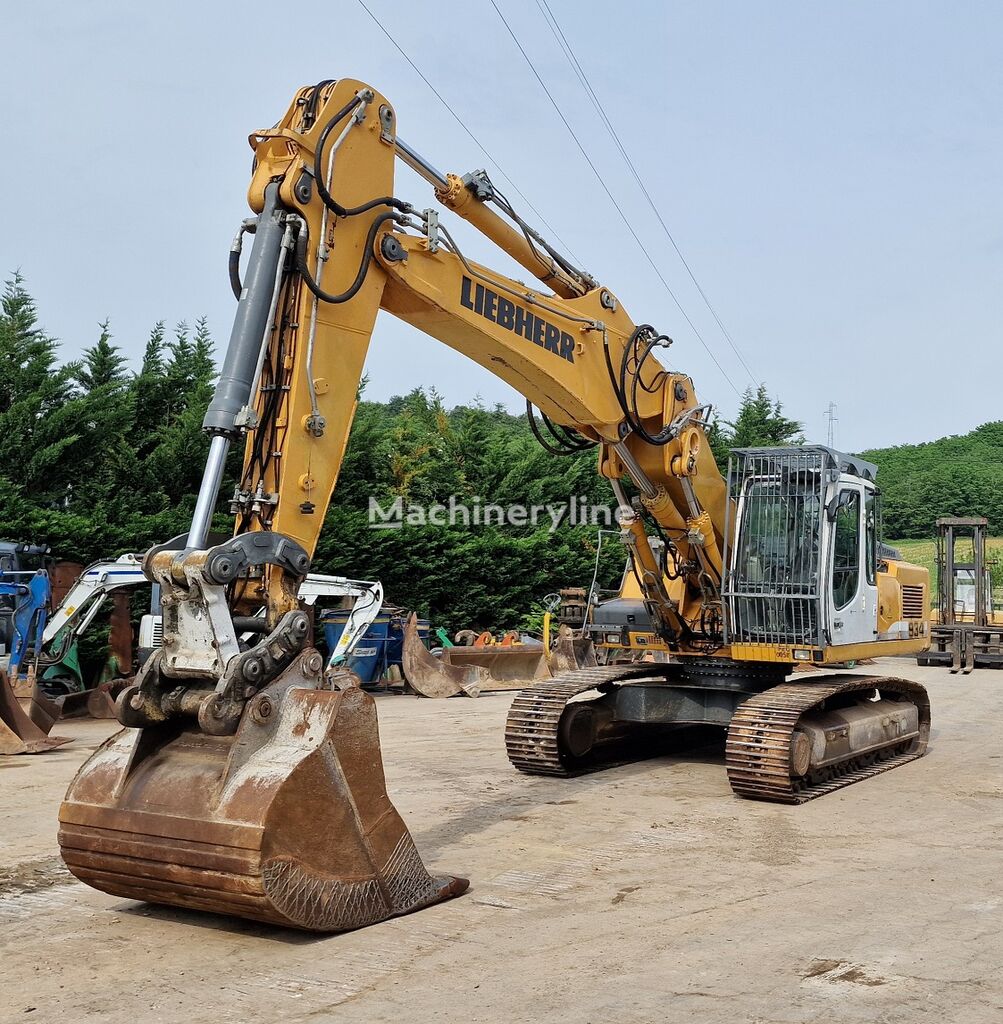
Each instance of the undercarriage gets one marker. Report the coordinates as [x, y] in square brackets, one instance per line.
[786, 741]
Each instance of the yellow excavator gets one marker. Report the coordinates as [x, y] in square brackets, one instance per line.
[245, 780]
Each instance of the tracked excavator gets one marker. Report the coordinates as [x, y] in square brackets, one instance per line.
[246, 780]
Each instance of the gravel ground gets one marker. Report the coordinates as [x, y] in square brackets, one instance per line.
[640, 894]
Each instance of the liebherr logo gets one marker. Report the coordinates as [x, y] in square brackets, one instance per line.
[505, 313]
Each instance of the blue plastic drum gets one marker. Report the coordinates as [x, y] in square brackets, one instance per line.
[369, 659]
[395, 638]
[332, 622]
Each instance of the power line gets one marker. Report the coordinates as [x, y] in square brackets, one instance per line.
[576, 66]
[477, 142]
[609, 194]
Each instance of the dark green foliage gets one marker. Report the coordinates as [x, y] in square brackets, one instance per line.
[94, 459]
[40, 418]
[953, 476]
[102, 364]
[760, 423]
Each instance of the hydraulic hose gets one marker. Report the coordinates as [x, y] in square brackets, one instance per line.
[234, 271]
[367, 259]
[645, 334]
[318, 172]
[567, 444]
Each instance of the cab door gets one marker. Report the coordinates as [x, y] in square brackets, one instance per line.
[852, 598]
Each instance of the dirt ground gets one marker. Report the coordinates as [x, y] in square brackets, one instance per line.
[644, 893]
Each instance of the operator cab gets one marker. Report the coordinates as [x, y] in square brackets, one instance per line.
[801, 570]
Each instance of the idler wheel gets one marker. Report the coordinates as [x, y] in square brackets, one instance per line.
[800, 753]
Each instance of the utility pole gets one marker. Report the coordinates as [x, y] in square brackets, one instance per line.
[832, 419]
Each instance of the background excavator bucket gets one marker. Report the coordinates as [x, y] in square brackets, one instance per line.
[43, 710]
[508, 666]
[286, 822]
[18, 733]
[571, 652]
[432, 677]
[98, 702]
[474, 669]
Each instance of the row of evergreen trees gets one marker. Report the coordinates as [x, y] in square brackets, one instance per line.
[96, 459]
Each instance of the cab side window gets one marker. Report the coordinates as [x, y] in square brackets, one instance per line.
[871, 536]
[846, 549]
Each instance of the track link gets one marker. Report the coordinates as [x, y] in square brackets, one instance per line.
[758, 750]
[531, 730]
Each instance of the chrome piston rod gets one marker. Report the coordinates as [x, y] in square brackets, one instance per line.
[212, 477]
[418, 163]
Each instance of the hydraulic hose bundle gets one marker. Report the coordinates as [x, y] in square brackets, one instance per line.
[565, 440]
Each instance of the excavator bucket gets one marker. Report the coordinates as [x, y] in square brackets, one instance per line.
[480, 667]
[97, 702]
[433, 677]
[43, 710]
[101, 700]
[508, 667]
[18, 733]
[571, 652]
[287, 821]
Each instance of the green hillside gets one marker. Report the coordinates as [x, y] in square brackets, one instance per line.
[960, 475]
[924, 552]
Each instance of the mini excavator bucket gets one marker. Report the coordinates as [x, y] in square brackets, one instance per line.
[98, 702]
[43, 710]
[18, 733]
[287, 821]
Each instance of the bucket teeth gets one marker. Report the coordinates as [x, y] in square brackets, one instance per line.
[287, 822]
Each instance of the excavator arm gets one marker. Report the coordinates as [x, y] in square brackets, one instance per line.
[333, 246]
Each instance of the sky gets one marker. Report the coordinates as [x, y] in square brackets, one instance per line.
[830, 172]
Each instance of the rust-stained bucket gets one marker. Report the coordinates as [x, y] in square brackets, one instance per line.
[286, 822]
[571, 652]
[18, 733]
[432, 677]
[474, 669]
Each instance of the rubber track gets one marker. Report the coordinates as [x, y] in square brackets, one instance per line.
[757, 753]
[531, 730]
